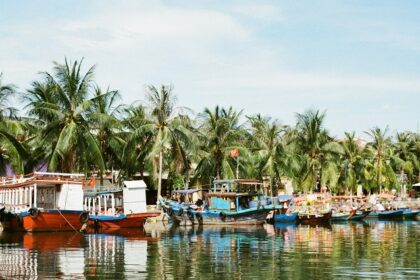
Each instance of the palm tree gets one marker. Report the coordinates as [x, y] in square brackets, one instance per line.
[352, 161]
[6, 92]
[162, 129]
[380, 148]
[405, 159]
[137, 146]
[62, 102]
[104, 114]
[220, 132]
[11, 150]
[320, 152]
[269, 146]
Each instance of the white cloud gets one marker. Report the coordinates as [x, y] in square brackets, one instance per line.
[211, 56]
[260, 11]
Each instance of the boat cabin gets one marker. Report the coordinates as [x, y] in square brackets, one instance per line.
[234, 195]
[130, 199]
[44, 190]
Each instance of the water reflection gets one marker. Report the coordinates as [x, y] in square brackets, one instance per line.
[345, 250]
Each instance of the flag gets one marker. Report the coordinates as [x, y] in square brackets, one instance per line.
[91, 182]
[234, 153]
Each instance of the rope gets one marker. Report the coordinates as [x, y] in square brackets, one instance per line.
[67, 220]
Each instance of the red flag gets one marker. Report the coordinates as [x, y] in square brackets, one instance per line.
[234, 153]
[91, 182]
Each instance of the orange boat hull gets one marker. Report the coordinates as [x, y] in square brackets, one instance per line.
[46, 221]
[47, 241]
[131, 221]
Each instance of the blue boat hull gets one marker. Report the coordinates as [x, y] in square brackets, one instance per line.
[410, 214]
[339, 217]
[286, 218]
[217, 217]
[358, 216]
[391, 215]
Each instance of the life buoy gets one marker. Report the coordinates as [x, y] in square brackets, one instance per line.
[190, 215]
[199, 217]
[180, 212]
[170, 211]
[84, 217]
[33, 213]
[222, 216]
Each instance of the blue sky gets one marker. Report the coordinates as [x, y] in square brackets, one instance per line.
[358, 60]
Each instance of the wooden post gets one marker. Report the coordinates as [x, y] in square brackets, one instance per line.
[35, 195]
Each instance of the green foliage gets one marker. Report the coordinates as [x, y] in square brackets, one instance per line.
[178, 182]
[73, 125]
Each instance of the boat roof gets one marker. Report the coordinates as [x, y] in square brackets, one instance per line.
[93, 193]
[285, 197]
[227, 194]
[238, 181]
[187, 191]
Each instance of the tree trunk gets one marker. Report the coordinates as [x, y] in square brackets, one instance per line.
[101, 177]
[159, 194]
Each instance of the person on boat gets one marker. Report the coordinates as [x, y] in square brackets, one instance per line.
[244, 203]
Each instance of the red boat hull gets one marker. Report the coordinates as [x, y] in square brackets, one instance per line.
[45, 221]
[131, 221]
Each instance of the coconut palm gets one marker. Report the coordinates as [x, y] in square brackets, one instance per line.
[162, 129]
[273, 156]
[319, 151]
[380, 153]
[107, 127]
[63, 109]
[11, 149]
[220, 133]
[351, 162]
[6, 93]
[405, 159]
[137, 146]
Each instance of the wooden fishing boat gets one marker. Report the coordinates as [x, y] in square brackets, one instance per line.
[410, 214]
[314, 208]
[340, 217]
[358, 215]
[124, 208]
[391, 214]
[42, 201]
[316, 218]
[284, 214]
[230, 202]
[286, 218]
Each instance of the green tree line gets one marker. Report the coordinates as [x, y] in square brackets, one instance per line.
[71, 124]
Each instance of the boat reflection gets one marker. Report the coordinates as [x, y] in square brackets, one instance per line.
[108, 254]
[208, 252]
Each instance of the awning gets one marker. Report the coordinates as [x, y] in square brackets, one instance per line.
[189, 191]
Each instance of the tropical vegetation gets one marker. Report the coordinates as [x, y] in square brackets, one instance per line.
[68, 123]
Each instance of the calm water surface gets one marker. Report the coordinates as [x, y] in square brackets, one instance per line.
[373, 250]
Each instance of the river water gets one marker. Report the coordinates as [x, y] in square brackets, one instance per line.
[372, 250]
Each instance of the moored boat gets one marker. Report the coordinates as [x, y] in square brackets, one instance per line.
[230, 202]
[42, 201]
[390, 214]
[286, 218]
[410, 214]
[316, 218]
[314, 208]
[124, 208]
[285, 213]
[358, 215]
[340, 217]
